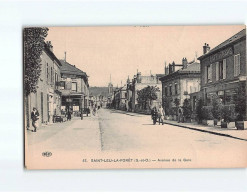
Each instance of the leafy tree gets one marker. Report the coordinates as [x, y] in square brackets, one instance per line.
[166, 105]
[217, 107]
[33, 39]
[187, 110]
[177, 103]
[241, 104]
[147, 95]
[199, 110]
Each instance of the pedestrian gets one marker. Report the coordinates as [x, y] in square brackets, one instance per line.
[161, 114]
[35, 119]
[154, 115]
[95, 110]
[180, 114]
[69, 115]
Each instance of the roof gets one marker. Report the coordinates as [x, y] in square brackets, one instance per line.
[160, 75]
[51, 54]
[231, 40]
[192, 68]
[68, 68]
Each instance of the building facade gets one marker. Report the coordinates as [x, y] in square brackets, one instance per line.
[47, 99]
[139, 82]
[178, 85]
[74, 87]
[223, 69]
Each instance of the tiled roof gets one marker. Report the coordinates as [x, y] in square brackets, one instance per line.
[229, 41]
[193, 67]
[67, 68]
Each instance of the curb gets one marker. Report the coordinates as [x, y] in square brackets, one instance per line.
[206, 131]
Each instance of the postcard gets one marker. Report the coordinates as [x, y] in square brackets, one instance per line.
[125, 97]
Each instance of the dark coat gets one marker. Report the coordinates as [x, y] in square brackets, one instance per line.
[35, 116]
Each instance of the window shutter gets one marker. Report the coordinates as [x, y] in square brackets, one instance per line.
[235, 65]
[217, 71]
[210, 73]
[238, 64]
[224, 69]
[206, 75]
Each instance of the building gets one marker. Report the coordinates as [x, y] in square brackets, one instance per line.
[74, 87]
[178, 85]
[47, 99]
[139, 82]
[223, 69]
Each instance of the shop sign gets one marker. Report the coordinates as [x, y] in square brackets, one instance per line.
[222, 54]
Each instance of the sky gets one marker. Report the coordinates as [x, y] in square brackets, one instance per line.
[121, 51]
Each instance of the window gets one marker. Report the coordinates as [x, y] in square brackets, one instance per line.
[51, 75]
[56, 80]
[62, 85]
[237, 65]
[170, 89]
[176, 88]
[166, 94]
[47, 72]
[221, 95]
[220, 71]
[74, 86]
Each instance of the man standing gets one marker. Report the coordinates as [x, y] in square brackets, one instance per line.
[180, 114]
[154, 115]
[161, 114]
[35, 119]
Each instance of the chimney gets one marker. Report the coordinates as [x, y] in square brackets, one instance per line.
[49, 45]
[206, 48]
[184, 63]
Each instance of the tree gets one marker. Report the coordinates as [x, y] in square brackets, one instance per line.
[147, 95]
[33, 39]
[199, 109]
[187, 110]
[217, 107]
[177, 103]
[241, 104]
[33, 44]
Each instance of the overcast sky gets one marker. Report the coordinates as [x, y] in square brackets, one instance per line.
[120, 51]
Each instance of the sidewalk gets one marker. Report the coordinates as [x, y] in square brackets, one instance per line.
[234, 133]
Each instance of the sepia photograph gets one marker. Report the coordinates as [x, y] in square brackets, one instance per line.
[125, 97]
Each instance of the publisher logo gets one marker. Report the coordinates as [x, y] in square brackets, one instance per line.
[46, 154]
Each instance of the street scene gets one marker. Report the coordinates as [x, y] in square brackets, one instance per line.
[121, 92]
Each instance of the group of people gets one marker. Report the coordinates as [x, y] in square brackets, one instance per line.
[159, 114]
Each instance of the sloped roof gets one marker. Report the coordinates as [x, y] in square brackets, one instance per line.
[193, 67]
[51, 54]
[227, 42]
[68, 68]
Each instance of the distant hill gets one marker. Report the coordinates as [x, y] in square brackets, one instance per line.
[96, 91]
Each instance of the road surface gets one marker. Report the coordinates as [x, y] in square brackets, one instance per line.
[118, 131]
